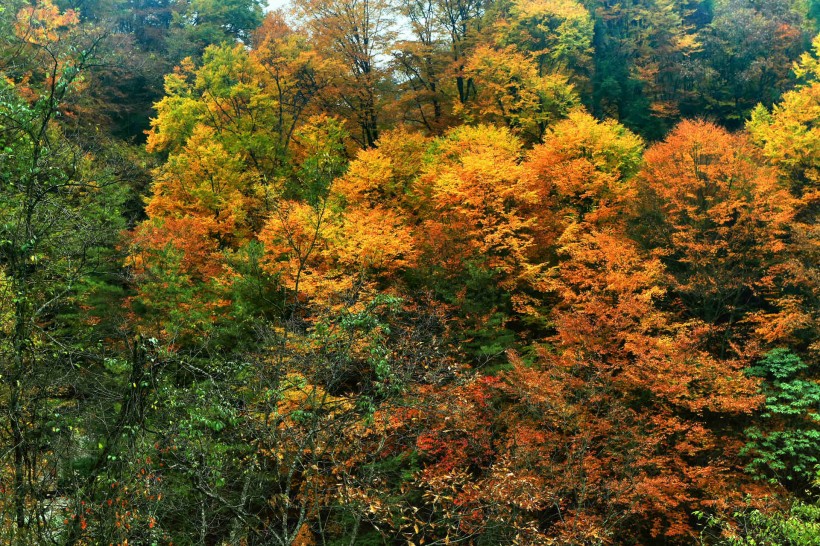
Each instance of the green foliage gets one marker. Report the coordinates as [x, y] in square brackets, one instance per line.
[729, 79]
[322, 140]
[200, 23]
[559, 34]
[179, 306]
[787, 447]
[799, 526]
[354, 349]
[253, 292]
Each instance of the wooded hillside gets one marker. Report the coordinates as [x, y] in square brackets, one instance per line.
[405, 272]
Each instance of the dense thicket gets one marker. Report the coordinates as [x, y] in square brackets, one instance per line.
[409, 272]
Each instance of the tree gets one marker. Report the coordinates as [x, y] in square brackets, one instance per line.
[649, 388]
[422, 64]
[197, 24]
[357, 32]
[717, 218]
[793, 525]
[227, 130]
[557, 34]
[60, 222]
[509, 90]
[729, 80]
[788, 139]
[584, 170]
[252, 101]
[296, 71]
[475, 238]
[641, 47]
[461, 22]
[608, 434]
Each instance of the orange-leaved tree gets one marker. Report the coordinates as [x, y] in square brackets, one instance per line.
[636, 369]
[474, 236]
[720, 221]
[611, 434]
[582, 172]
[354, 34]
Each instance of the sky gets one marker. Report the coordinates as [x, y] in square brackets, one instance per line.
[276, 4]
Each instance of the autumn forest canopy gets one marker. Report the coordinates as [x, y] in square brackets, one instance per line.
[405, 272]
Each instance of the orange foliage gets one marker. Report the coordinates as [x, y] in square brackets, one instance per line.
[582, 172]
[42, 24]
[583, 168]
[474, 203]
[614, 429]
[323, 254]
[385, 175]
[206, 182]
[720, 221]
[52, 65]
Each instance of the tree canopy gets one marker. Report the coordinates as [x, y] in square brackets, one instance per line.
[417, 272]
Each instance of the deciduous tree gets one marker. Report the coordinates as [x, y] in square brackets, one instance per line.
[357, 32]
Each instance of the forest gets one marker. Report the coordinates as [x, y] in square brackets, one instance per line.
[409, 272]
